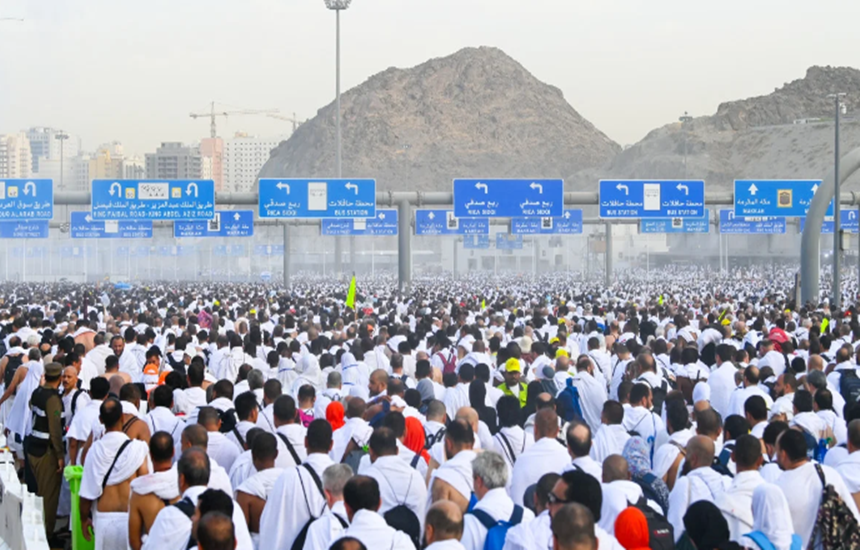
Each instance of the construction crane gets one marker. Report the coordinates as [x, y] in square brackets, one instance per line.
[212, 114]
[296, 122]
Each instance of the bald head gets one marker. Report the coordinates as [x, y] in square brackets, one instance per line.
[615, 469]
[546, 424]
[815, 362]
[470, 415]
[444, 522]
[578, 439]
[355, 407]
[700, 452]
[195, 435]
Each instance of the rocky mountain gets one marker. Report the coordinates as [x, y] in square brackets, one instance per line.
[474, 113]
[785, 134]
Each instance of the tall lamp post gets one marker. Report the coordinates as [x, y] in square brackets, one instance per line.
[337, 6]
[837, 231]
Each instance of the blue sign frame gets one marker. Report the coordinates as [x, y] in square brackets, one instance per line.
[677, 225]
[24, 229]
[292, 198]
[570, 223]
[476, 242]
[443, 222]
[506, 241]
[787, 198]
[83, 226]
[730, 224]
[508, 198]
[652, 199]
[383, 225]
[153, 200]
[26, 199]
[225, 223]
[847, 220]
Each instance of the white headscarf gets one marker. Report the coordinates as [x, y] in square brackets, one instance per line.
[772, 516]
[310, 375]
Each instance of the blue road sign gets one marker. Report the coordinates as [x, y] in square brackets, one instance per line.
[139, 252]
[122, 252]
[652, 198]
[75, 252]
[476, 242]
[317, 198]
[183, 250]
[677, 225]
[505, 241]
[35, 229]
[84, 227]
[153, 200]
[269, 250]
[508, 198]
[848, 221]
[384, 224]
[225, 223]
[22, 199]
[237, 250]
[789, 198]
[570, 223]
[219, 250]
[731, 224]
[443, 222]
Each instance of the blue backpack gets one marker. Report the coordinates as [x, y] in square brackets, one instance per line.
[568, 402]
[759, 538]
[497, 531]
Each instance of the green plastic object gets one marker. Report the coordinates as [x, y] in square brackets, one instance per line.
[73, 475]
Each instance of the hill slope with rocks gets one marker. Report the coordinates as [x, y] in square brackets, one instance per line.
[785, 134]
[474, 113]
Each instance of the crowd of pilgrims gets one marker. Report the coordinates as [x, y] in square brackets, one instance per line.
[677, 410]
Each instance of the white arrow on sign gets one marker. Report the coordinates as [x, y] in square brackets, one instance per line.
[537, 186]
[814, 188]
[567, 214]
[621, 186]
[852, 214]
[118, 188]
[382, 215]
[282, 185]
[89, 218]
[352, 186]
[483, 186]
[188, 189]
[431, 215]
[30, 187]
[752, 189]
[683, 187]
[731, 215]
[236, 216]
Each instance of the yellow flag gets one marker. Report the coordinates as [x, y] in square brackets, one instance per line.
[350, 295]
[723, 314]
[824, 323]
[483, 304]
[660, 300]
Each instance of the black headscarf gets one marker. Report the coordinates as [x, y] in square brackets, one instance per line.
[478, 401]
[707, 528]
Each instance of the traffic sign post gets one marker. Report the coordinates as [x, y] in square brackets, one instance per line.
[570, 223]
[317, 198]
[677, 225]
[35, 229]
[22, 199]
[508, 198]
[736, 225]
[84, 227]
[652, 198]
[443, 222]
[153, 200]
[476, 242]
[384, 224]
[505, 241]
[788, 198]
[225, 223]
[848, 221]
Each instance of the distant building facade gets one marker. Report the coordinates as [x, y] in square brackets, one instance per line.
[244, 156]
[173, 160]
[15, 156]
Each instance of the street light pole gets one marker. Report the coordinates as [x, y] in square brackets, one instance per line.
[684, 119]
[337, 6]
[837, 231]
[61, 137]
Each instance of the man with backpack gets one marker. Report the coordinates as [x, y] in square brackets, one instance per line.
[577, 487]
[845, 379]
[401, 487]
[333, 522]
[591, 395]
[487, 524]
[361, 500]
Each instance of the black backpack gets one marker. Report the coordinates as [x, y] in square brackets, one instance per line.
[648, 491]
[228, 421]
[432, 439]
[299, 543]
[849, 385]
[404, 519]
[661, 533]
[353, 458]
[658, 396]
[12, 365]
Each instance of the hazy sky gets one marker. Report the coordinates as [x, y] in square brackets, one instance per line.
[132, 71]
